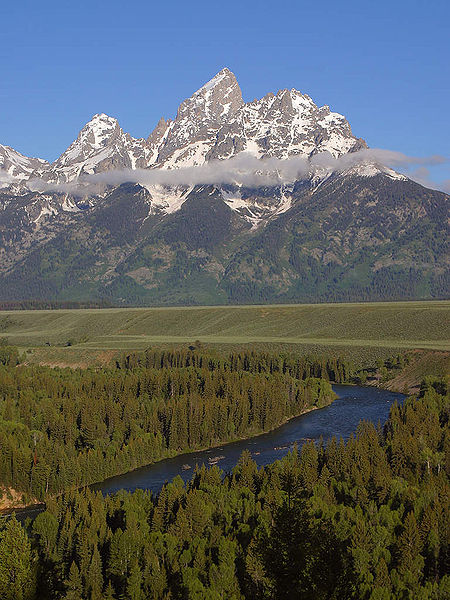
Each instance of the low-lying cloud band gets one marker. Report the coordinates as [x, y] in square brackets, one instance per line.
[246, 170]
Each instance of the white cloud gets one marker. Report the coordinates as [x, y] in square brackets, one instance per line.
[6, 179]
[248, 171]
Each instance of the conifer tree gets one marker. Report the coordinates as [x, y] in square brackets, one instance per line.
[134, 590]
[74, 584]
[17, 563]
[94, 579]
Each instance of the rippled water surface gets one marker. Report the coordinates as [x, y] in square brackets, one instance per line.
[340, 419]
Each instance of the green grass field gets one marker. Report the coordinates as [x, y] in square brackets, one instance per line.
[397, 325]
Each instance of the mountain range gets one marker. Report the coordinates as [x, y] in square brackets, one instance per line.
[273, 200]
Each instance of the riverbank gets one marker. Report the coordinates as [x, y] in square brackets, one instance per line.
[11, 499]
[177, 455]
[418, 364]
[14, 501]
[340, 419]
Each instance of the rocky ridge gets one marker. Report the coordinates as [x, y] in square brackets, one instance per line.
[130, 220]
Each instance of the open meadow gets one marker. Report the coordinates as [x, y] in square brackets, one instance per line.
[375, 329]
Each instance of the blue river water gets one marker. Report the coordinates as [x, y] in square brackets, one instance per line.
[340, 419]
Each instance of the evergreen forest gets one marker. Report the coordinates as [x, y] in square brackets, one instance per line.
[366, 518]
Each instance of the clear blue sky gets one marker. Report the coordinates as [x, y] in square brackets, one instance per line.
[384, 64]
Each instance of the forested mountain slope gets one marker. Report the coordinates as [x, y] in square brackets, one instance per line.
[353, 238]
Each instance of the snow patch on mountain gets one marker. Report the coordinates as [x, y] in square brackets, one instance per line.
[371, 169]
[166, 199]
[257, 209]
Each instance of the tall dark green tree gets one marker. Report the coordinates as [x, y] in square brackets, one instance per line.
[17, 563]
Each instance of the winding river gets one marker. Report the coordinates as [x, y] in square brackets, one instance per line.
[340, 419]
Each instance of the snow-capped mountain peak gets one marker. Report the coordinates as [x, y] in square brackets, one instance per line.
[213, 124]
[283, 125]
[99, 131]
[224, 74]
[101, 145]
[15, 167]
[199, 118]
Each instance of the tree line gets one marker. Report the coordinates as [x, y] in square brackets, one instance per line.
[335, 369]
[53, 304]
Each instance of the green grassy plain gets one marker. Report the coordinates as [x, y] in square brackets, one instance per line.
[383, 325]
